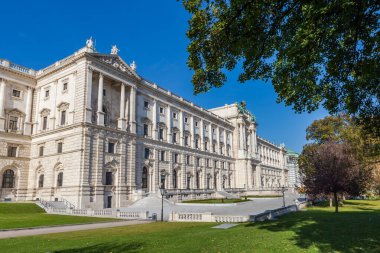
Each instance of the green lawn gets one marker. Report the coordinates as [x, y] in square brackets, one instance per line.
[319, 229]
[214, 201]
[24, 215]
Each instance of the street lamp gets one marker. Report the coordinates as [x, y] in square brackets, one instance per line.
[162, 190]
[283, 189]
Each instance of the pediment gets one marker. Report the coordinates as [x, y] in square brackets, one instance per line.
[116, 62]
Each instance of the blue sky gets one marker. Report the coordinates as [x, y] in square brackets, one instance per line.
[153, 33]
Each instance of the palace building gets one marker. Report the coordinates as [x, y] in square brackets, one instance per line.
[90, 130]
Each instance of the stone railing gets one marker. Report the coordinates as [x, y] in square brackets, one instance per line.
[206, 217]
[17, 67]
[188, 191]
[109, 213]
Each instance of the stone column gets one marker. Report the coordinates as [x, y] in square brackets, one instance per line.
[2, 104]
[89, 95]
[132, 107]
[258, 176]
[121, 121]
[28, 115]
[201, 134]
[154, 120]
[240, 136]
[100, 120]
[180, 120]
[169, 124]
[37, 118]
[192, 132]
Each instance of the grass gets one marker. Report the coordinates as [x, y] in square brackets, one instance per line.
[264, 196]
[25, 215]
[214, 201]
[318, 229]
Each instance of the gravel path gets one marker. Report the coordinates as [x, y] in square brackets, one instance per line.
[69, 228]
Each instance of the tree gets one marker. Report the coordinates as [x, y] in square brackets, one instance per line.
[314, 52]
[344, 129]
[331, 168]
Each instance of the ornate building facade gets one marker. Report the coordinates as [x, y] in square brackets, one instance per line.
[90, 130]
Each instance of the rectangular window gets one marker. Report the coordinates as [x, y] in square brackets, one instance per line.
[13, 123]
[207, 162]
[146, 153]
[215, 164]
[146, 129]
[206, 144]
[186, 140]
[111, 148]
[175, 158]
[44, 123]
[213, 148]
[41, 151]
[64, 86]
[104, 92]
[59, 147]
[161, 133]
[196, 143]
[162, 158]
[47, 93]
[12, 151]
[174, 137]
[63, 118]
[108, 178]
[187, 159]
[146, 104]
[198, 161]
[16, 93]
[162, 110]
[174, 115]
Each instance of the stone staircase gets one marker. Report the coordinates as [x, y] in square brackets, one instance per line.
[57, 204]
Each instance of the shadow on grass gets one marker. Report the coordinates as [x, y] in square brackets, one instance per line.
[349, 231]
[105, 247]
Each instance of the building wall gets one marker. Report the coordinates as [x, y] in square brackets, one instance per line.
[112, 117]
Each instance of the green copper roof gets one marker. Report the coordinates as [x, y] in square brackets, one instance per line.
[291, 152]
[242, 109]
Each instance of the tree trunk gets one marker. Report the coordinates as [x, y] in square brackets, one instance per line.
[336, 202]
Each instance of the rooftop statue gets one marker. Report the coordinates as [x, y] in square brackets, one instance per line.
[242, 109]
[114, 49]
[133, 66]
[90, 43]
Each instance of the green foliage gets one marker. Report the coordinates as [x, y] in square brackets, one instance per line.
[317, 229]
[314, 52]
[25, 215]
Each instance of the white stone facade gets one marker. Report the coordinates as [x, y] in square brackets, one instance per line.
[90, 130]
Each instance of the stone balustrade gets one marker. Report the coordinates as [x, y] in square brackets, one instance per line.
[109, 213]
[206, 217]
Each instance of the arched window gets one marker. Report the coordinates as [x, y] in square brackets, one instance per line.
[59, 179]
[145, 178]
[8, 179]
[41, 181]
[208, 181]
